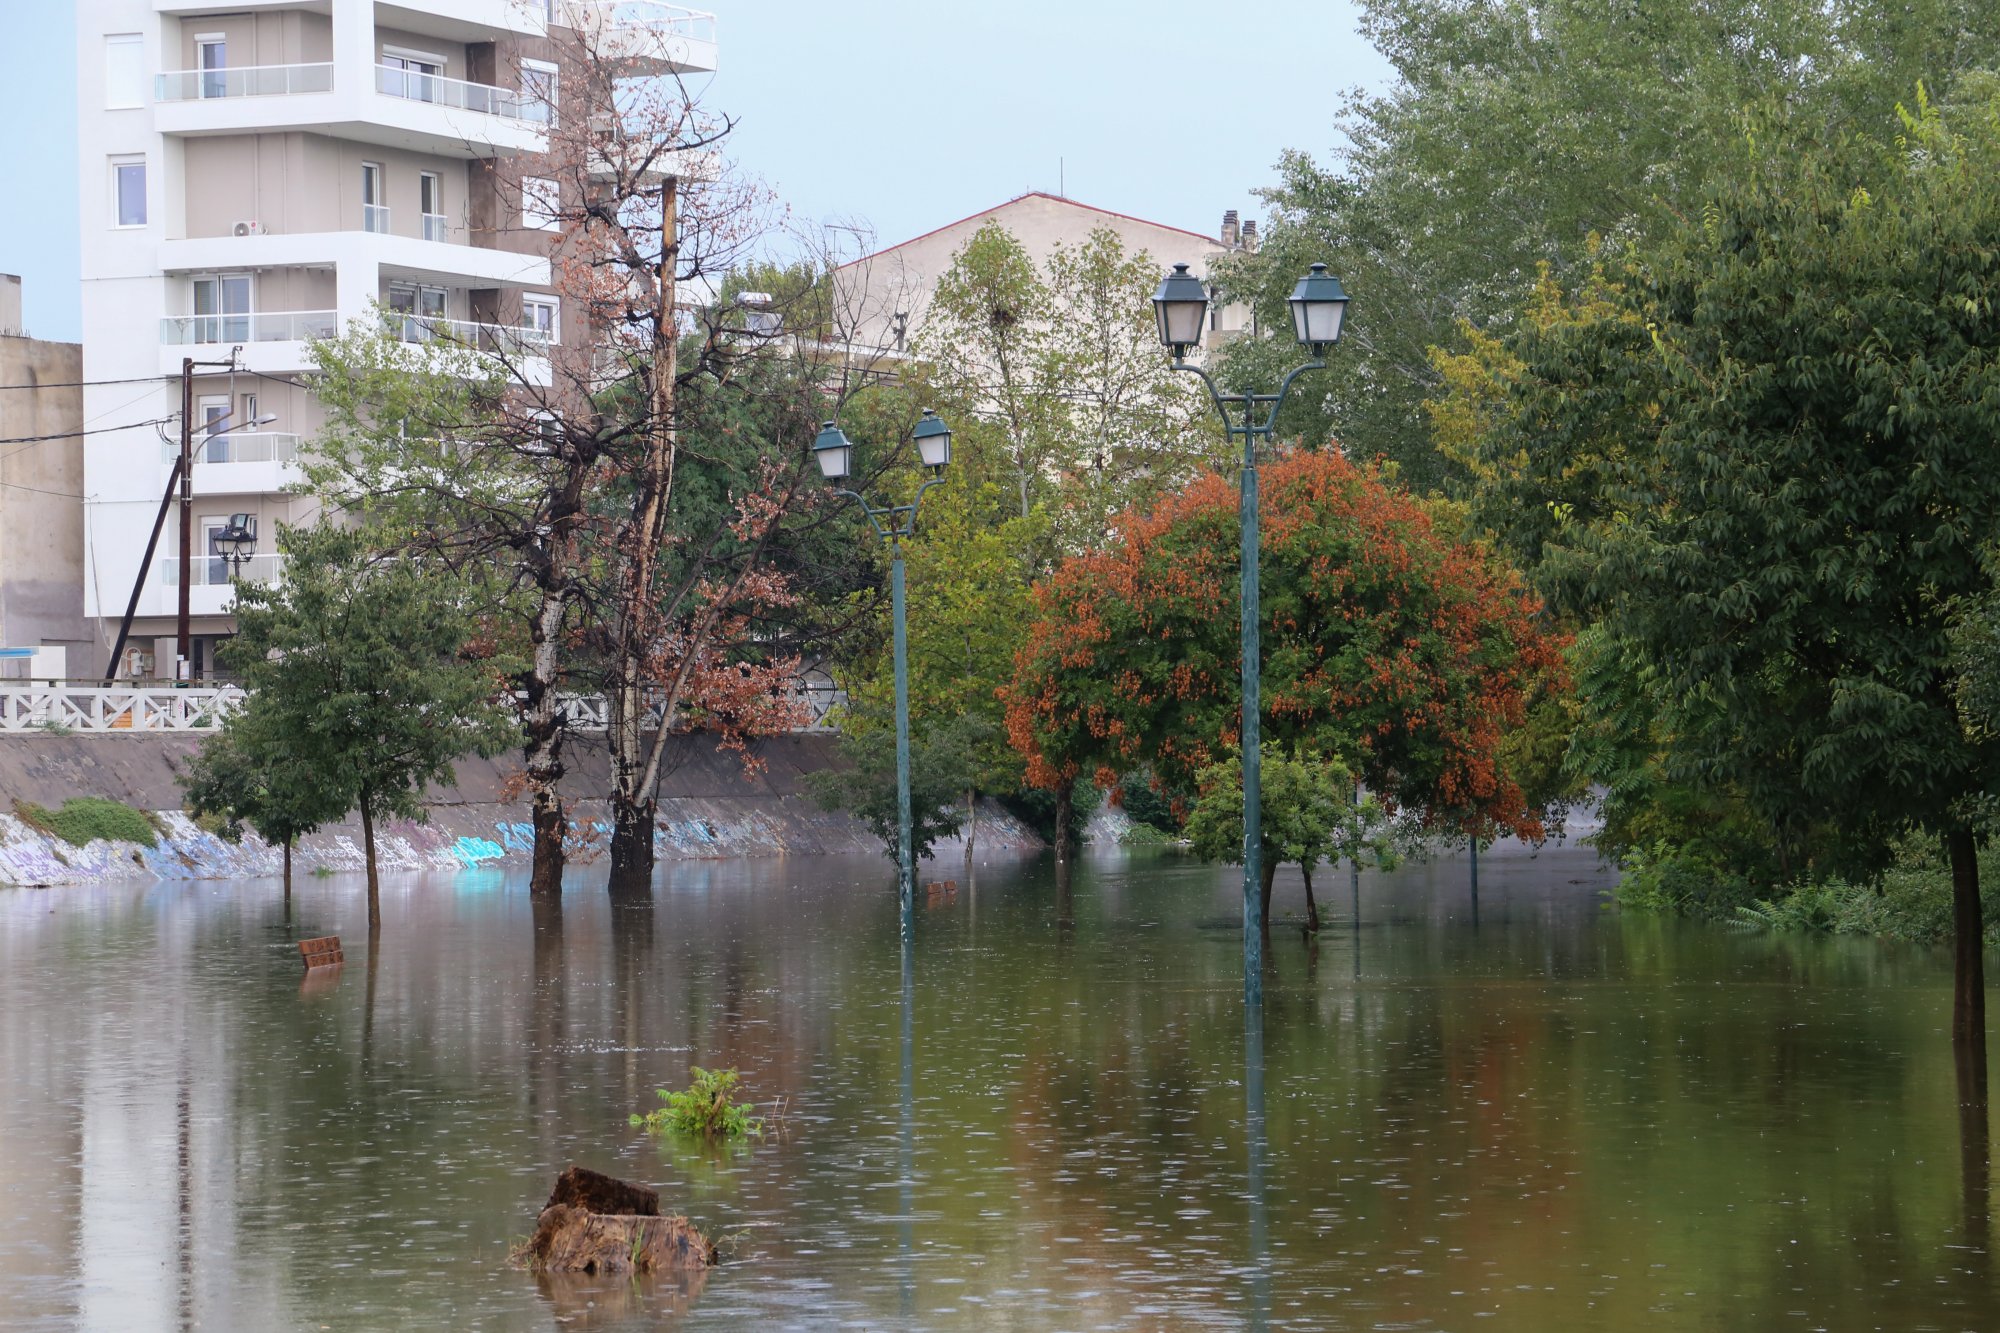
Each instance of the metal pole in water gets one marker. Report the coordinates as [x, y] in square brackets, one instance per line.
[905, 866]
[1253, 899]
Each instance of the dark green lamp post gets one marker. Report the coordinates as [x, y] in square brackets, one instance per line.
[835, 453]
[1318, 305]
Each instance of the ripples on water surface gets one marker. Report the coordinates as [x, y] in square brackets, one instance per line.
[1532, 1114]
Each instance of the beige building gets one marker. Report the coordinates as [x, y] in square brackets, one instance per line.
[41, 502]
[888, 292]
[260, 173]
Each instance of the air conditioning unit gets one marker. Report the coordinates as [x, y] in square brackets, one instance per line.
[246, 229]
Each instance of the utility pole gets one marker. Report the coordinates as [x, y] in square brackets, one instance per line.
[184, 644]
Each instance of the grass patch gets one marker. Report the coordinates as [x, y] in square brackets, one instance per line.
[83, 819]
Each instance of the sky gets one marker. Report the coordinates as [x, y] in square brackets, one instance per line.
[895, 115]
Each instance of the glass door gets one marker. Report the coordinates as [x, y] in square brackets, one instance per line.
[413, 78]
[222, 309]
[430, 199]
[374, 211]
[212, 424]
[212, 56]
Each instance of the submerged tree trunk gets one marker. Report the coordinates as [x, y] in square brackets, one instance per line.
[1065, 813]
[632, 848]
[288, 870]
[971, 825]
[374, 880]
[1312, 908]
[542, 730]
[1968, 998]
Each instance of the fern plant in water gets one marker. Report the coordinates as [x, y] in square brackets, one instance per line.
[705, 1110]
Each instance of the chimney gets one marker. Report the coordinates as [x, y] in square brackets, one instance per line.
[1250, 236]
[10, 303]
[1229, 230]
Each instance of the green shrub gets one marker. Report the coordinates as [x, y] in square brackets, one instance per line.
[1910, 901]
[219, 826]
[705, 1110]
[84, 818]
[1664, 878]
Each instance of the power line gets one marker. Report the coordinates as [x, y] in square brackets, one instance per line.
[74, 434]
[62, 495]
[91, 384]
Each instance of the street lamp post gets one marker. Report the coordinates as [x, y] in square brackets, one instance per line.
[893, 524]
[1318, 304]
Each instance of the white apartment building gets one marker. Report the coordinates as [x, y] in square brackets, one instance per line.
[258, 173]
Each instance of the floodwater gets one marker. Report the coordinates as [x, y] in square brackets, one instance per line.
[1524, 1112]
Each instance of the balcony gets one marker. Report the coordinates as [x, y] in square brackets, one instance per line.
[440, 255]
[209, 593]
[425, 113]
[435, 330]
[479, 98]
[659, 37]
[192, 85]
[273, 342]
[241, 462]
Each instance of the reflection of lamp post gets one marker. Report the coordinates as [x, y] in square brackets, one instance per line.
[1181, 306]
[238, 542]
[836, 462]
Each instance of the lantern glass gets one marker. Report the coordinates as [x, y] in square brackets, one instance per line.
[1319, 303]
[834, 452]
[1181, 309]
[933, 440]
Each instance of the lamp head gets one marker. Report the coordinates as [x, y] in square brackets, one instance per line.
[834, 451]
[933, 440]
[1318, 303]
[1181, 307]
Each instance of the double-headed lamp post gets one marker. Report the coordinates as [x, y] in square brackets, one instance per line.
[1318, 305]
[892, 524]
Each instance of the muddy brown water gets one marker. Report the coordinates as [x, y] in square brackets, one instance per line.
[1528, 1112]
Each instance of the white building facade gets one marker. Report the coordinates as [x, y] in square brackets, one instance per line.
[259, 173]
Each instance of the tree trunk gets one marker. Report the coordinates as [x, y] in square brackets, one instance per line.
[1065, 813]
[632, 800]
[374, 880]
[288, 870]
[632, 849]
[1968, 997]
[542, 729]
[1312, 908]
[1270, 873]
[971, 825]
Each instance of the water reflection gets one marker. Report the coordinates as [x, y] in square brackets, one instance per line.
[1562, 1119]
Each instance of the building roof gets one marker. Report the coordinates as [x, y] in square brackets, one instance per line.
[1031, 194]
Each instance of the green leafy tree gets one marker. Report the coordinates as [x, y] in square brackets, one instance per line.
[943, 764]
[1311, 811]
[251, 772]
[1515, 132]
[1799, 536]
[358, 664]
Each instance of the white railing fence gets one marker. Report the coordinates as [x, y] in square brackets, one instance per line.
[201, 85]
[112, 710]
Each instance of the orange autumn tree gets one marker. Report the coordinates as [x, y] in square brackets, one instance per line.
[1406, 654]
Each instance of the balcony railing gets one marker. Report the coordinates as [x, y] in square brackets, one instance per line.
[199, 85]
[212, 571]
[482, 98]
[427, 329]
[375, 218]
[652, 15]
[436, 227]
[280, 326]
[239, 447]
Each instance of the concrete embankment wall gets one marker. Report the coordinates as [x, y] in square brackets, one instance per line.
[709, 807]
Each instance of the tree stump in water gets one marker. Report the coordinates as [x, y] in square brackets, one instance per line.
[593, 1223]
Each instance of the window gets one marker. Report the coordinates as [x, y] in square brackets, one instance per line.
[420, 312]
[430, 201]
[538, 84]
[222, 309]
[124, 70]
[128, 191]
[212, 58]
[211, 539]
[411, 74]
[374, 213]
[213, 423]
[541, 316]
[541, 204]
